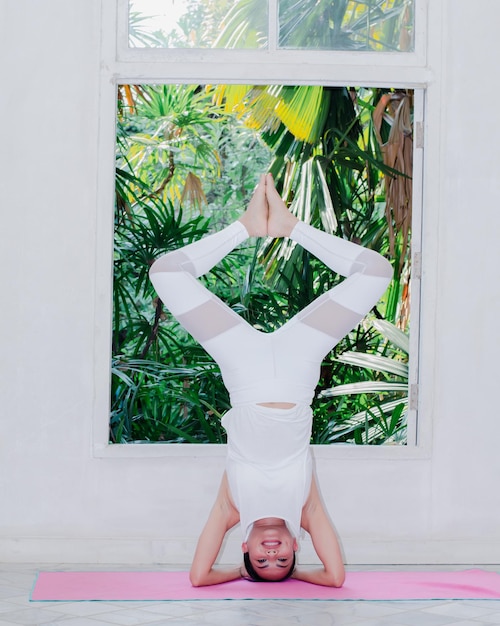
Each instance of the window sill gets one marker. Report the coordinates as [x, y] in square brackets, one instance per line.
[334, 452]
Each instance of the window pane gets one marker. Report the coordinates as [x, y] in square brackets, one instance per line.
[188, 157]
[198, 24]
[376, 25]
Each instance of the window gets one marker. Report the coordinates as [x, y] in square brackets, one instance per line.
[127, 66]
[370, 25]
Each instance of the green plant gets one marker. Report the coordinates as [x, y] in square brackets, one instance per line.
[154, 402]
[183, 172]
[323, 24]
[384, 396]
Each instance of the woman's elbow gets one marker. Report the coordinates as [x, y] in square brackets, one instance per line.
[336, 579]
[196, 575]
[196, 579]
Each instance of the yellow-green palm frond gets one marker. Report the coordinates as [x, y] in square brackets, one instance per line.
[231, 97]
[262, 106]
[302, 110]
[256, 104]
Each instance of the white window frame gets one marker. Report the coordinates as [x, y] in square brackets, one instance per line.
[123, 65]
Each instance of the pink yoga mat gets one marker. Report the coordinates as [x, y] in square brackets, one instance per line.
[472, 584]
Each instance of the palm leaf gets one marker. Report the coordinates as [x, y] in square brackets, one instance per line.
[245, 26]
[375, 362]
[393, 334]
[301, 109]
[395, 408]
[371, 386]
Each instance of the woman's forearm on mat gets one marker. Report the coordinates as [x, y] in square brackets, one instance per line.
[319, 576]
[216, 576]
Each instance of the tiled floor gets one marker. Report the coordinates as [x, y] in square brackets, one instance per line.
[15, 608]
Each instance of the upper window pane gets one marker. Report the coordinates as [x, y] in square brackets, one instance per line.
[367, 25]
[198, 24]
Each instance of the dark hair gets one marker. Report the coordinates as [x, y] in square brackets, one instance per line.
[256, 577]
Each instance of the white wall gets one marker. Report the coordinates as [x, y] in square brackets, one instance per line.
[60, 500]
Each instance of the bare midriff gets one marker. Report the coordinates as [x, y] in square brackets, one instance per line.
[277, 405]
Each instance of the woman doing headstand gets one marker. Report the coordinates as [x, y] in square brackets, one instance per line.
[268, 484]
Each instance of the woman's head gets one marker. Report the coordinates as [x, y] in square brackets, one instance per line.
[267, 576]
[269, 551]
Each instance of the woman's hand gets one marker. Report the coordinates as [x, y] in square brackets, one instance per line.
[243, 572]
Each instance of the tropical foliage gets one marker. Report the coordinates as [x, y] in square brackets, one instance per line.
[384, 401]
[385, 25]
[188, 158]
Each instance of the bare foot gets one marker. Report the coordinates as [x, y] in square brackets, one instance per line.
[280, 222]
[254, 219]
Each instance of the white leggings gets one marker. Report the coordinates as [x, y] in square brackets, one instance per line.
[282, 366]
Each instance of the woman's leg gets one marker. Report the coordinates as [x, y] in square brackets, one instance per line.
[331, 316]
[174, 275]
[367, 273]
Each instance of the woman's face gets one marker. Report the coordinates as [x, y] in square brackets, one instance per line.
[270, 547]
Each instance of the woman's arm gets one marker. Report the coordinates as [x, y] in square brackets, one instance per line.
[223, 516]
[316, 522]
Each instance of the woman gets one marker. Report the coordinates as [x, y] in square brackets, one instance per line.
[268, 485]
